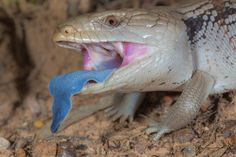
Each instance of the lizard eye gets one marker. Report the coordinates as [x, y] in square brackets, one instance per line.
[112, 21]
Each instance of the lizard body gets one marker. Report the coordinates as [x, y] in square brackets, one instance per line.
[189, 47]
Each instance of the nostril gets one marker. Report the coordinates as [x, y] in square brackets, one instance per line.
[67, 30]
[63, 31]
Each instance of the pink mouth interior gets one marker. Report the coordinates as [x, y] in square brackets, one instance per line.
[100, 56]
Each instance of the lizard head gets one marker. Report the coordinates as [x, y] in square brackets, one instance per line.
[136, 42]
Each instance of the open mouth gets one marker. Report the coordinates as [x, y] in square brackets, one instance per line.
[107, 55]
[100, 60]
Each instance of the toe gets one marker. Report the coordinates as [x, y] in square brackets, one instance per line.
[123, 118]
[109, 109]
[158, 135]
[151, 130]
[116, 116]
[131, 119]
[111, 113]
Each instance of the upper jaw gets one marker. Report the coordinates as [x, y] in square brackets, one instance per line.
[68, 44]
[69, 33]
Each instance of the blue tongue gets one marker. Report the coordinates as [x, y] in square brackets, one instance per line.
[63, 87]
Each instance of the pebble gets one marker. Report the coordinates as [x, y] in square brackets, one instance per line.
[231, 140]
[45, 149]
[38, 124]
[184, 135]
[189, 151]
[20, 143]
[5, 153]
[66, 149]
[82, 147]
[20, 152]
[4, 143]
[167, 100]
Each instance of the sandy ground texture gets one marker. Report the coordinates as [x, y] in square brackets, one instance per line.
[29, 59]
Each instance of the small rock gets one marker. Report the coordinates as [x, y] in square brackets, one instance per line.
[233, 150]
[82, 147]
[139, 148]
[189, 151]
[230, 110]
[5, 153]
[114, 144]
[45, 149]
[206, 129]
[38, 124]
[167, 100]
[20, 152]
[20, 143]
[4, 143]
[66, 149]
[231, 140]
[184, 135]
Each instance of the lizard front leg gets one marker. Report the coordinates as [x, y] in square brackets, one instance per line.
[126, 109]
[187, 106]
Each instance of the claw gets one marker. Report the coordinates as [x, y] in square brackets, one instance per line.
[131, 119]
[157, 129]
[111, 113]
[119, 113]
[116, 116]
[116, 113]
[158, 135]
[151, 130]
[109, 109]
[123, 118]
[127, 107]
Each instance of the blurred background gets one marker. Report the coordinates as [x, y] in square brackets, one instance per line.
[28, 61]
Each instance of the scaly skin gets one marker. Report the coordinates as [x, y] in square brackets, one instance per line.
[194, 48]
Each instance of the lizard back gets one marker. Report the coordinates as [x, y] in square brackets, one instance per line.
[211, 28]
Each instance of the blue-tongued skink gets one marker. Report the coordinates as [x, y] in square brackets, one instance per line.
[189, 47]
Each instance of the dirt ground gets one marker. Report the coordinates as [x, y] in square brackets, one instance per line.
[29, 59]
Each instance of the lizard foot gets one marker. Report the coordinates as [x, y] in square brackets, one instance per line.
[121, 112]
[186, 107]
[127, 108]
[157, 130]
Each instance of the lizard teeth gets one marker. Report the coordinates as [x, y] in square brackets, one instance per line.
[108, 46]
[114, 47]
[70, 45]
[100, 56]
[119, 48]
